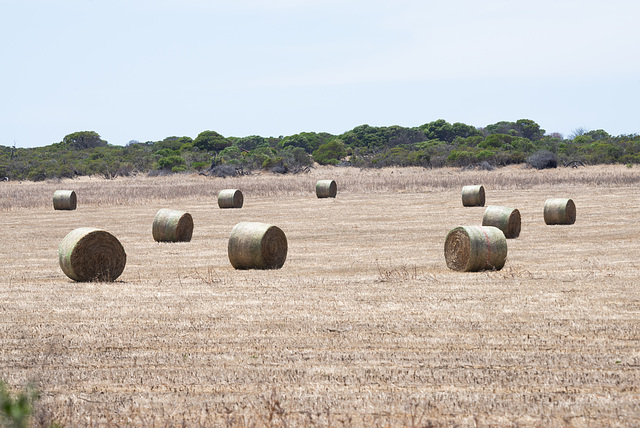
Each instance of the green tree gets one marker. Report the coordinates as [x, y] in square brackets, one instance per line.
[83, 140]
[438, 130]
[211, 141]
[330, 153]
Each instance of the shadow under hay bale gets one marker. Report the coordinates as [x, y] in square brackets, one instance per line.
[257, 246]
[473, 196]
[64, 200]
[88, 254]
[326, 189]
[559, 211]
[475, 248]
[504, 218]
[230, 198]
[172, 226]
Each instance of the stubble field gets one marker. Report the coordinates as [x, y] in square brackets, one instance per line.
[363, 326]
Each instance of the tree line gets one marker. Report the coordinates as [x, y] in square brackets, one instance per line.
[431, 145]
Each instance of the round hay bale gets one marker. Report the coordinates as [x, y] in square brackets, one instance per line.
[230, 198]
[559, 211]
[64, 200]
[257, 246]
[473, 196]
[172, 226]
[88, 254]
[326, 189]
[475, 248]
[504, 218]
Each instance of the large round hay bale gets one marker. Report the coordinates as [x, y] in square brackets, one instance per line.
[475, 248]
[172, 226]
[559, 211]
[230, 198]
[504, 218]
[64, 200]
[473, 196]
[326, 189]
[88, 254]
[257, 246]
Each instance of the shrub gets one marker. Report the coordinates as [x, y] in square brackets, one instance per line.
[542, 159]
[16, 411]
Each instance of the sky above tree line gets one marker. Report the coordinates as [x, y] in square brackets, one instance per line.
[148, 69]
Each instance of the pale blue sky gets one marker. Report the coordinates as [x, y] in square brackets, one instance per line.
[145, 70]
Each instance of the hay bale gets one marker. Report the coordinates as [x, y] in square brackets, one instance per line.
[172, 226]
[326, 189]
[230, 198]
[504, 218]
[88, 254]
[559, 211]
[257, 246]
[473, 196]
[64, 200]
[475, 248]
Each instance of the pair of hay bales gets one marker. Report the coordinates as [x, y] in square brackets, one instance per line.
[556, 211]
[252, 245]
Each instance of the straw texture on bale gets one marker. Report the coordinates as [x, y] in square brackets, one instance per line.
[172, 226]
[504, 218]
[473, 196]
[230, 198]
[475, 248]
[64, 200]
[559, 211]
[326, 189]
[257, 246]
[88, 254]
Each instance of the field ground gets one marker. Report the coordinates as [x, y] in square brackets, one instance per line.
[363, 326]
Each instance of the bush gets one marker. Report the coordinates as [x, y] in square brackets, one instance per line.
[330, 153]
[170, 162]
[224, 171]
[542, 159]
[16, 411]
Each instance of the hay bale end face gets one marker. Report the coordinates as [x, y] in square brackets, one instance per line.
[326, 189]
[88, 254]
[475, 248]
[257, 246]
[473, 196]
[559, 211]
[230, 198]
[172, 226]
[504, 218]
[64, 200]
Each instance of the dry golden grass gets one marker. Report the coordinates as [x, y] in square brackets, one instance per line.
[363, 326]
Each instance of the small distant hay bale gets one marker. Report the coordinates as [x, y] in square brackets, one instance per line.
[326, 189]
[89, 254]
[473, 196]
[504, 218]
[230, 198]
[559, 211]
[64, 200]
[172, 226]
[475, 248]
[257, 246]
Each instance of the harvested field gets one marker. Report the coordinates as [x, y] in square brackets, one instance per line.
[364, 325]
